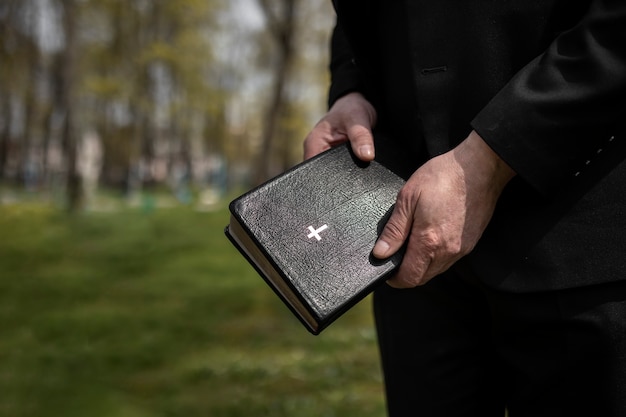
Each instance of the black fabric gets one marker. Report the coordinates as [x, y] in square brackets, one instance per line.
[456, 348]
[563, 105]
[534, 319]
[576, 239]
[487, 65]
[436, 351]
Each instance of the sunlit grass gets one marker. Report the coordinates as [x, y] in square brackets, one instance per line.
[138, 313]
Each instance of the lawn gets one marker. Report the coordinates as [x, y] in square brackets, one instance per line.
[136, 313]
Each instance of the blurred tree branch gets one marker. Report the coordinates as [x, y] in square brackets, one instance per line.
[160, 85]
[67, 103]
[280, 18]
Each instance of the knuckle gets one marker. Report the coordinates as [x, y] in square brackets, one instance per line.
[406, 201]
[440, 244]
[359, 141]
[307, 140]
[406, 281]
[394, 231]
[313, 139]
[360, 134]
[454, 247]
[431, 241]
[413, 273]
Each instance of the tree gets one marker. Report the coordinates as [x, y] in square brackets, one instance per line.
[156, 81]
[151, 61]
[67, 102]
[19, 55]
[280, 18]
[297, 59]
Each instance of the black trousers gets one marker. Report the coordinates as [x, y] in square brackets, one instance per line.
[455, 348]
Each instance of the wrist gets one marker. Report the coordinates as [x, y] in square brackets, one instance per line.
[476, 156]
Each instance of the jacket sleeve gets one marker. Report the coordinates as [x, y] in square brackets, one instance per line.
[562, 107]
[344, 73]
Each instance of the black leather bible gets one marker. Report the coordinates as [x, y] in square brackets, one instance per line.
[309, 233]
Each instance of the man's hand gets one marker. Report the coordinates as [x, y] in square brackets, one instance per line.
[351, 118]
[443, 210]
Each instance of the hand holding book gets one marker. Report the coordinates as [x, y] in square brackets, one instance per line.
[352, 119]
[310, 231]
[443, 210]
[444, 207]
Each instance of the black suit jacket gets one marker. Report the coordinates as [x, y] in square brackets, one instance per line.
[543, 82]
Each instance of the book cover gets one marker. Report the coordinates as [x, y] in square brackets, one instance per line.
[309, 233]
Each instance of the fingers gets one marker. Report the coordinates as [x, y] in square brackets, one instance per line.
[362, 142]
[350, 118]
[426, 259]
[423, 244]
[396, 230]
[442, 211]
[429, 217]
[321, 138]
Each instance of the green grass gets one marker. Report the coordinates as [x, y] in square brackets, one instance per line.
[136, 314]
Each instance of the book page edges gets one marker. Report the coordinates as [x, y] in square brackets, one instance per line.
[254, 254]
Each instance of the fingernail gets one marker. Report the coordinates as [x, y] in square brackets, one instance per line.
[366, 151]
[380, 249]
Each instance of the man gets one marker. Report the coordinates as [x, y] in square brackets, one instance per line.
[508, 117]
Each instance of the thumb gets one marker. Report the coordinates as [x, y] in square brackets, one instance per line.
[394, 234]
[361, 141]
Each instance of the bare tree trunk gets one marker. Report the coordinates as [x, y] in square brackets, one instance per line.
[7, 34]
[45, 144]
[282, 29]
[5, 135]
[70, 134]
[25, 161]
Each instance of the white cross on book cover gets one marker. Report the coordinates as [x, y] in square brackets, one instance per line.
[309, 233]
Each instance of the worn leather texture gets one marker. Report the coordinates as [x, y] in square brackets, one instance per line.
[317, 224]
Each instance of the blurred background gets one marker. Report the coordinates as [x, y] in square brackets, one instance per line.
[135, 94]
[126, 127]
